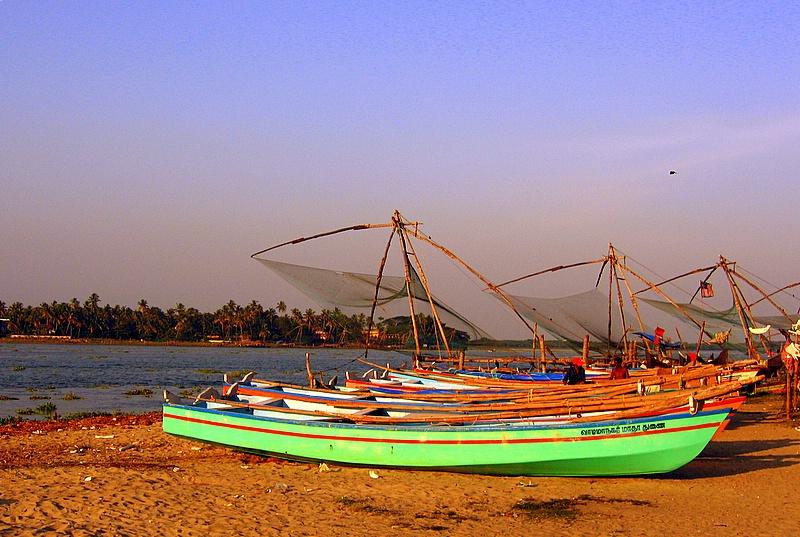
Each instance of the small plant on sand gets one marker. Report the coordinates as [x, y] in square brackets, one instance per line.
[9, 420]
[145, 392]
[47, 409]
[563, 508]
[190, 392]
[363, 504]
[81, 415]
[39, 397]
[209, 371]
[8, 398]
[70, 396]
[237, 374]
[18, 368]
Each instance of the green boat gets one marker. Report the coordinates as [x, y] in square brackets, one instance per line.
[646, 445]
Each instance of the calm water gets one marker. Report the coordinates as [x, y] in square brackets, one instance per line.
[100, 375]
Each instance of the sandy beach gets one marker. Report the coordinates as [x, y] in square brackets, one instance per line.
[124, 476]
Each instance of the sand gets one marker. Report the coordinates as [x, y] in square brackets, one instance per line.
[124, 476]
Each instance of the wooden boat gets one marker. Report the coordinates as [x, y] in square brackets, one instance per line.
[656, 443]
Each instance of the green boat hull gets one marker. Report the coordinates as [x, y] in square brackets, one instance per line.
[611, 448]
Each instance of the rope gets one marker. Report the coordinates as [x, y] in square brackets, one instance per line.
[776, 287]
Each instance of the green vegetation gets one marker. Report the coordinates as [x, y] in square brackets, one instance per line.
[38, 397]
[70, 396]
[190, 392]
[237, 374]
[146, 392]
[81, 415]
[9, 420]
[47, 409]
[209, 371]
[566, 508]
[563, 508]
[366, 505]
[252, 324]
[18, 368]
[8, 398]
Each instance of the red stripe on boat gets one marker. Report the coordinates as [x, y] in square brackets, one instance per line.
[402, 441]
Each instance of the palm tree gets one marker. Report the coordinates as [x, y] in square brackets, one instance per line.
[16, 316]
[92, 307]
[74, 316]
[252, 317]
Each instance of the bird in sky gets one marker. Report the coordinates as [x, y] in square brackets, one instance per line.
[672, 172]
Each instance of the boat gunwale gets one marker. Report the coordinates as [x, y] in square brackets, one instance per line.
[476, 428]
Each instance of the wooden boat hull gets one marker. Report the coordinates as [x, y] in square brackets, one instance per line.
[655, 444]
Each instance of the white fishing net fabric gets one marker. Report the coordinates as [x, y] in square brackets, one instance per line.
[353, 294]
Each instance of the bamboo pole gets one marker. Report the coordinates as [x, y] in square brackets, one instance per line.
[551, 269]
[585, 350]
[378, 279]
[619, 299]
[764, 296]
[634, 302]
[421, 236]
[784, 288]
[762, 337]
[407, 272]
[695, 271]
[327, 233]
[663, 295]
[309, 373]
[610, 288]
[700, 340]
[705, 280]
[426, 287]
[739, 309]
[542, 348]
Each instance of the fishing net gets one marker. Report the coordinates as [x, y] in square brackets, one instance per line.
[353, 293]
[572, 317]
[718, 320]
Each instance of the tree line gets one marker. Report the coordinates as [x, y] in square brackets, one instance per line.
[251, 323]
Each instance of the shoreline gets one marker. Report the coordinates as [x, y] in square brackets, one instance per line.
[44, 340]
[39, 340]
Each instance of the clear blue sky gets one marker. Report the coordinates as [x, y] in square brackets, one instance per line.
[147, 148]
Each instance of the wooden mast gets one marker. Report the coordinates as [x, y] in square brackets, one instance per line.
[739, 309]
[634, 302]
[611, 262]
[494, 288]
[407, 272]
[617, 276]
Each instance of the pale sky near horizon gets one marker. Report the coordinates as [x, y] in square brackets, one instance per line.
[148, 148]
